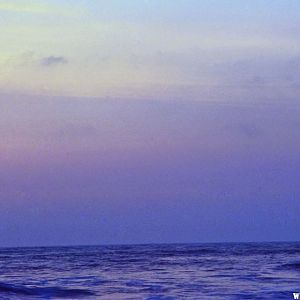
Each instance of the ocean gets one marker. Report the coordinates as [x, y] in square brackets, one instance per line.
[152, 272]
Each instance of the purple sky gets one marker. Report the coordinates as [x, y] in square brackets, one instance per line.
[89, 171]
[149, 121]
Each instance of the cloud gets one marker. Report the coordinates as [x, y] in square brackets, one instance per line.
[38, 8]
[53, 61]
[249, 130]
[23, 8]
[76, 131]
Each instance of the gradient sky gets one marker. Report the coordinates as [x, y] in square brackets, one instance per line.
[149, 121]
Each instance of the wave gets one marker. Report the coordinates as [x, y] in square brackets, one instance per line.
[292, 266]
[44, 291]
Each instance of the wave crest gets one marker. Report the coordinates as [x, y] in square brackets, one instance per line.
[44, 291]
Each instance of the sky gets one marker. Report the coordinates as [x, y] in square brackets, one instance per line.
[149, 121]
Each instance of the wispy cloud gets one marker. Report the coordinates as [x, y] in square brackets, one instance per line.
[53, 61]
[249, 130]
[108, 53]
[22, 7]
[37, 7]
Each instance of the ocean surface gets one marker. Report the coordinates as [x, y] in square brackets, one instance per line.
[152, 272]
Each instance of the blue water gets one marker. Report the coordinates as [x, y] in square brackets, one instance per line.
[153, 272]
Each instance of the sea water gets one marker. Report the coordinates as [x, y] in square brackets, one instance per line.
[153, 272]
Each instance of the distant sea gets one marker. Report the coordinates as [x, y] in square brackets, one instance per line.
[152, 272]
